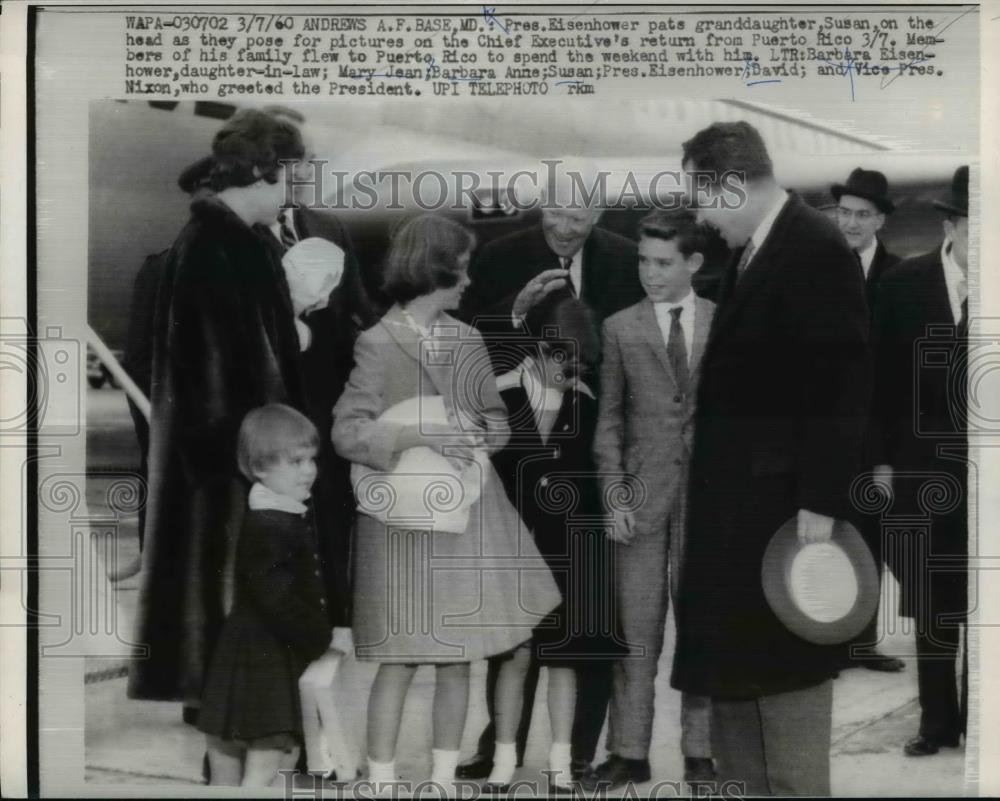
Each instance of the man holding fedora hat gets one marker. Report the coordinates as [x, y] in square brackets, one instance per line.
[921, 331]
[778, 432]
[862, 206]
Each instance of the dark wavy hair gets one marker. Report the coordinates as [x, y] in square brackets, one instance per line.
[675, 225]
[250, 140]
[423, 256]
[728, 146]
[566, 324]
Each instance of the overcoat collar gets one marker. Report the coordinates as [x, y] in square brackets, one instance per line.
[937, 289]
[207, 205]
[736, 289]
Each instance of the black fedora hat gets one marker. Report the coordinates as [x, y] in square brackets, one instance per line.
[957, 200]
[868, 184]
[825, 593]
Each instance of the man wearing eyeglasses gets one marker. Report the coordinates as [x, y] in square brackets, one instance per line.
[862, 206]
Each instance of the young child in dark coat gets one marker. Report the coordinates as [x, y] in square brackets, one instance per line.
[278, 624]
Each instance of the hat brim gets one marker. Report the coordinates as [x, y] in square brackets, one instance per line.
[940, 205]
[883, 204]
[776, 578]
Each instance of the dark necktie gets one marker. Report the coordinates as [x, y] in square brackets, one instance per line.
[741, 265]
[677, 350]
[963, 321]
[288, 238]
[566, 262]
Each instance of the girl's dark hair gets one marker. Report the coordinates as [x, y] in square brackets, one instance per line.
[423, 256]
[252, 140]
[564, 323]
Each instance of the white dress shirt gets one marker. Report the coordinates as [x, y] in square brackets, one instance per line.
[687, 320]
[545, 401]
[955, 279]
[575, 273]
[288, 215]
[867, 256]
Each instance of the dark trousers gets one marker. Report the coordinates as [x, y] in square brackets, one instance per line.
[943, 704]
[776, 744]
[593, 690]
[870, 529]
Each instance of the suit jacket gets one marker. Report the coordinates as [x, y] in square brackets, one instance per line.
[329, 359]
[920, 415]
[645, 423]
[781, 412]
[326, 364]
[502, 268]
[880, 264]
[883, 261]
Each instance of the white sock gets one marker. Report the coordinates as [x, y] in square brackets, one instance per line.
[443, 766]
[559, 763]
[380, 772]
[504, 763]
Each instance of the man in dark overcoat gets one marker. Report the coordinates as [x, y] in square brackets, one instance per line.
[779, 424]
[921, 401]
[863, 204]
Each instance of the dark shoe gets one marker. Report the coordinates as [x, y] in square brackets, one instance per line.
[494, 789]
[699, 769]
[477, 766]
[580, 768]
[873, 660]
[617, 772]
[924, 746]
[302, 763]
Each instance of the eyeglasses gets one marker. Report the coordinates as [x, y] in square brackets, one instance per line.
[862, 215]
